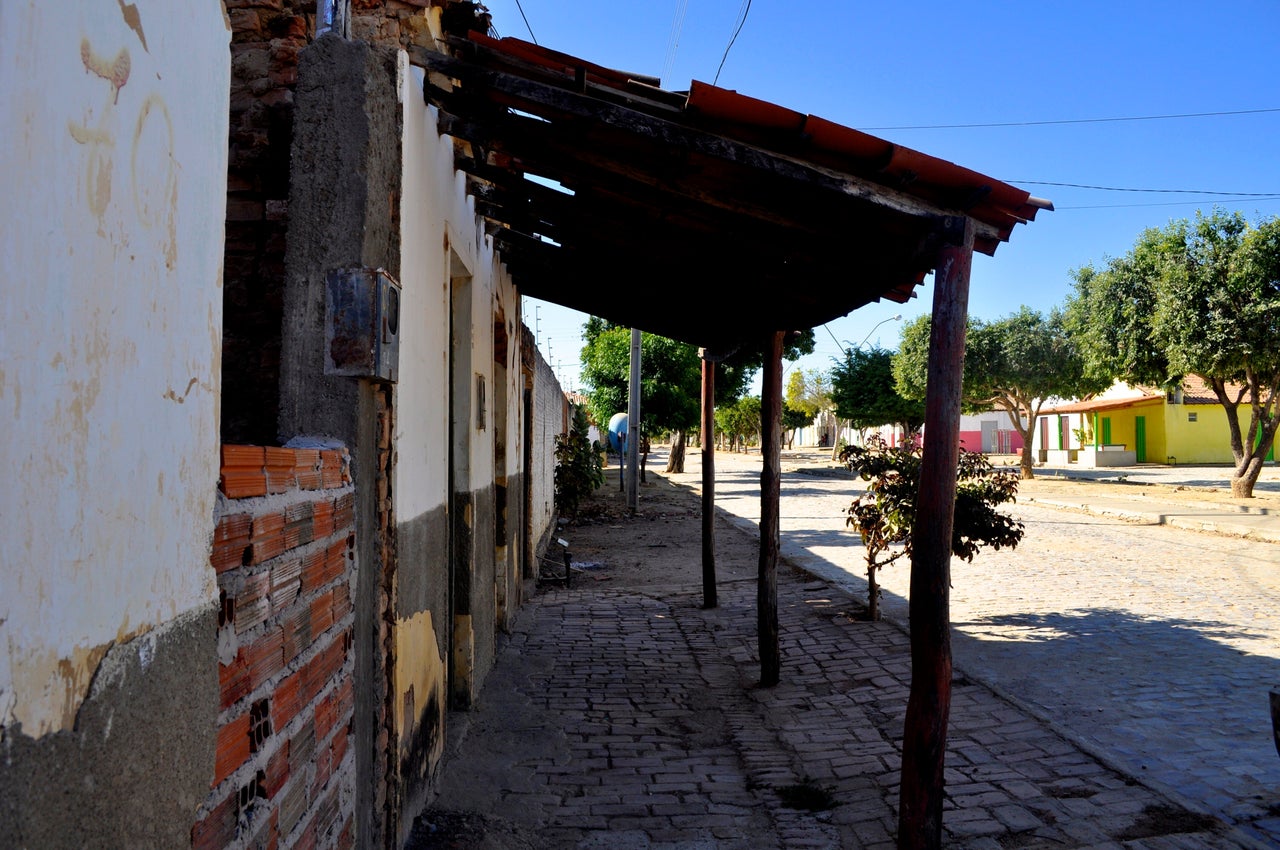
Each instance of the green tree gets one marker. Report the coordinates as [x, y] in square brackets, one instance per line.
[670, 379]
[740, 421]
[1015, 364]
[578, 469]
[793, 418]
[808, 390]
[1197, 298]
[864, 392]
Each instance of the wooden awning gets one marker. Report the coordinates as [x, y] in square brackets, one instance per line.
[707, 216]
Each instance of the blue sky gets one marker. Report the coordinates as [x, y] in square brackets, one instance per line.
[883, 66]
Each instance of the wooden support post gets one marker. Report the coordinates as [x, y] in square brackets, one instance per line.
[632, 462]
[709, 599]
[770, 491]
[924, 740]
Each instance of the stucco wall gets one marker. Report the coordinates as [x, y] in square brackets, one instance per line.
[111, 240]
[450, 277]
[549, 420]
[1206, 440]
[114, 168]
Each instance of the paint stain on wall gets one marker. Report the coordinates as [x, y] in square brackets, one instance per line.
[419, 679]
[133, 20]
[48, 690]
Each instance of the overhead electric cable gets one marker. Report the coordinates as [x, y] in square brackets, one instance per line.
[1148, 191]
[1078, 120]
[526, 22]
[1159, 204]
[673, 38]
[742, 19]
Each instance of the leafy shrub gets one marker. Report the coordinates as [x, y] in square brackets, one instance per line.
[578, 468]
[885, 514]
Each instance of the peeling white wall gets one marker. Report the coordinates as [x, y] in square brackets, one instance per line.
[438, 221]
[111, 243]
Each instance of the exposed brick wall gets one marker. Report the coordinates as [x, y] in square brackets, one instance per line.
[282, 550]
[266, 36]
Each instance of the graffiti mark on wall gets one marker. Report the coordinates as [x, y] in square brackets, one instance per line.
[155, 174]
[152, 168]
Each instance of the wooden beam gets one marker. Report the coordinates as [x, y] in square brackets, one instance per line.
[553, 103]
[770, 492]
[929, 705]
[709, 597]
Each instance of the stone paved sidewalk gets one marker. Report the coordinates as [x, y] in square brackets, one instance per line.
[629, 718]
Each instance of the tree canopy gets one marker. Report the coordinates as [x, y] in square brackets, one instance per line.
[1197, 298]
[670, 377]
[864, 392]
[1014, 364]
[808, 390]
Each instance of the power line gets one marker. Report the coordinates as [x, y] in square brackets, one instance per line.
[673, 38]
[526, 22]
[1160, 204]
[1146, 191]
[746, 8]
[1078, 120]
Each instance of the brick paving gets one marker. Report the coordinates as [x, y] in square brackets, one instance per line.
[629, 717]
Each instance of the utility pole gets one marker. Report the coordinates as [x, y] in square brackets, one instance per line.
[633, 425]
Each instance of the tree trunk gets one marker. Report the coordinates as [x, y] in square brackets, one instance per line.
[873, 594]
[1026, 470]
[1243, 479]
[675, 461]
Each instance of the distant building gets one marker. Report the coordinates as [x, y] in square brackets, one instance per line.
[1128, 425]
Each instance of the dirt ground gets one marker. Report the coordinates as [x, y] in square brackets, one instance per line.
[665, 539]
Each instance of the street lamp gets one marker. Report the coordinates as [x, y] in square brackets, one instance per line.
[896, 318]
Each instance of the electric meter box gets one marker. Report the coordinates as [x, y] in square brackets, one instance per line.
[362, 324]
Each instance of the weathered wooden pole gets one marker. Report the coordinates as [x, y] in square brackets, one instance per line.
[633, 425]
[709, 599]
[924, 739]
[770, 491]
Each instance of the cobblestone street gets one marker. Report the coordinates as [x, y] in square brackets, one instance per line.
[1151, 646]
[1099, 702]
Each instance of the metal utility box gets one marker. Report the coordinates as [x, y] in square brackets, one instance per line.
[362, 324]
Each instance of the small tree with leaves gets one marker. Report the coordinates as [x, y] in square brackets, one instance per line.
[885, 514]
[578, 468]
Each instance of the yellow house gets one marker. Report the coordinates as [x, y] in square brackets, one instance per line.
[1129, 425]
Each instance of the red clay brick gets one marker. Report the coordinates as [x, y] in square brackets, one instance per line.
[218, 828]
[324, 768]
[277, 772]
[242, 484]
[341, 738]
[253, 605]
[233, 748]
[266, 657]
[229, 555]
[326, 717]
[296, 626]
[233, 681]
[341, 601]
[285, 703]
[314, 567]
[322, 613]
[344, 511]
[322, 519]
[243, 457]
[233, 527]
